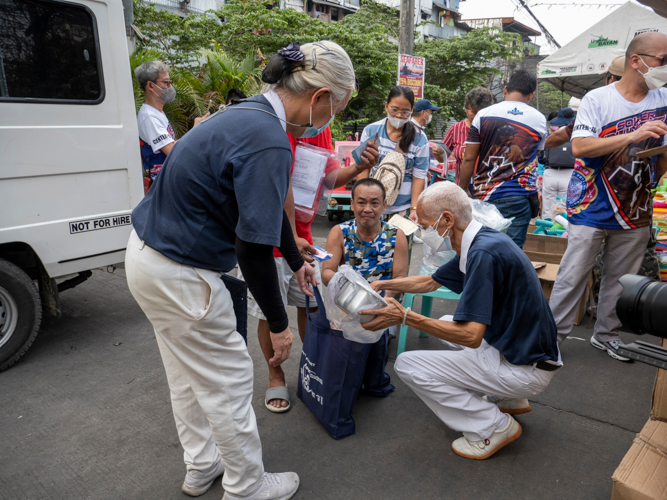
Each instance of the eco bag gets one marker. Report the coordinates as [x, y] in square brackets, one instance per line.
[376, 381]
[331, 372]
[390, 173]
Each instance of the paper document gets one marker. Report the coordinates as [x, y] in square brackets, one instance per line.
[307, 176]
[403, 223]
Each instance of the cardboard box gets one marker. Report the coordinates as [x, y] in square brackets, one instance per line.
[542, 248]
[547, 274]
[642, 474]
[659, 404]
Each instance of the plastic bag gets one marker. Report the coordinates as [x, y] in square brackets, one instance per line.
[433, 260]
[349, 321]
[313, 180]
[489, 215]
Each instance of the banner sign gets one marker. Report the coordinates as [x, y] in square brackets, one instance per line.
[411, 73]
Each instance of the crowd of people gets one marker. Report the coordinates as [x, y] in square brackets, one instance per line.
[221, 195]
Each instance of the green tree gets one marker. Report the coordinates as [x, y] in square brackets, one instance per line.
[549, 98]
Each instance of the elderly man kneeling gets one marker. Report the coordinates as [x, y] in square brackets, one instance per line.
[502, 338]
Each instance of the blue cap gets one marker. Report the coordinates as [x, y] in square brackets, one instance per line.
[565, 117]
[424, 104]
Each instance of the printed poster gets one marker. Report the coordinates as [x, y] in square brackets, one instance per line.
[411, 73]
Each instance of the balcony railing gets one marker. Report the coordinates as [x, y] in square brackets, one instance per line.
[194, 6]
[441, 32]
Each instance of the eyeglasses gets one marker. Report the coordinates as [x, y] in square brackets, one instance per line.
[661, 59]
[168, 83]
[401, 112]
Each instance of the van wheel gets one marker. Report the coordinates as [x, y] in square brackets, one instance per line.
[20, 313]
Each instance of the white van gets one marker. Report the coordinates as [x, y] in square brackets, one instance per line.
[70, 167]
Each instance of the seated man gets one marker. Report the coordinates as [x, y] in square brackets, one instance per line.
[376, 250]
[502, 334]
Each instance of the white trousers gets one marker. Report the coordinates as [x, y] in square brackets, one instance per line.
[554, 183]
[452, 384]
[209, 370]
[623, 253]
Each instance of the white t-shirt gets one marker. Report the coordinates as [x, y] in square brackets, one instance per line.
[614, 191]
[154, 128]
[510, 134]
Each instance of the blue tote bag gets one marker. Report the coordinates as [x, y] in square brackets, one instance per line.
[331, 372]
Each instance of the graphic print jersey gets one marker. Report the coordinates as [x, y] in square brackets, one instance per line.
[510, 134]
[614, 191]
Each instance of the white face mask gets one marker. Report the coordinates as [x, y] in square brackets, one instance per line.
[428, 120]
[655, 77]
[436, 242]
[398, 122]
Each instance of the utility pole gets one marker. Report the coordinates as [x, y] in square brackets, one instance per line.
[406, 41]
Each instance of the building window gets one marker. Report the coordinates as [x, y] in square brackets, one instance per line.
[334, 14]
[49, 51]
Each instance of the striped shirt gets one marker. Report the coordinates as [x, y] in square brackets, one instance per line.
[455, 140]
[416, 160]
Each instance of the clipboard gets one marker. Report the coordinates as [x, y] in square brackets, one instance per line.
[652, 152]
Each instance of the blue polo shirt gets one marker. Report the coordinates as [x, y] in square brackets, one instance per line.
[500, 289]
[226, 177]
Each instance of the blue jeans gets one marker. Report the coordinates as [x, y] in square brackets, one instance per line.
[519, 208]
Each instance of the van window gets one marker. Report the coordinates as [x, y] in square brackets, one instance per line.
[48, 51]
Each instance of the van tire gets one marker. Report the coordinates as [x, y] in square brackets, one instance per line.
[19, 302]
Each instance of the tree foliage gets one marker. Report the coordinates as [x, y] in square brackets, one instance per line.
[243, 27]
[549, 98]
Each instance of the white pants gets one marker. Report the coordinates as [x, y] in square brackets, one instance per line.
[452, 384]
[209, 370]
[623, 253]
[554, 183]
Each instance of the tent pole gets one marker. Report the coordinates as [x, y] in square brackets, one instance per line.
[561, 99]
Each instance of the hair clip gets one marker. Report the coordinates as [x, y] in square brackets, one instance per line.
[292, 52]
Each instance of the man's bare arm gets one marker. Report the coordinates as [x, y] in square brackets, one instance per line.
[593, 147]
[399, 268]
[335, 248]
[413, 284]
[558, 138]
[468, 165]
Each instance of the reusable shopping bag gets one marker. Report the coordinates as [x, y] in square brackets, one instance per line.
[331, 372]
[376, 381]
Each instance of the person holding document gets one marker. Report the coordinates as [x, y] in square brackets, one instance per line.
[219, 199]
[277, 398]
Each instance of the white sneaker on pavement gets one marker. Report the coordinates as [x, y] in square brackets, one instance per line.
[280, 486]
[611, 347]
[479, 450]
[514, 406]
[198, 482]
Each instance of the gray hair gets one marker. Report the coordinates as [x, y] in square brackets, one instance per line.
[478, 98]
[150, 72]
[446, 195]
[326, 65]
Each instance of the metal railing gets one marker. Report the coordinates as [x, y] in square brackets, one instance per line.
[441, 32]
[194, 6]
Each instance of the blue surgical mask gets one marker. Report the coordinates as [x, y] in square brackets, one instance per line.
[432, 238]
[314, 131]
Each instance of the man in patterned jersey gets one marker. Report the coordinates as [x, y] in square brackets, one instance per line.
[609, 195]
[501, 154]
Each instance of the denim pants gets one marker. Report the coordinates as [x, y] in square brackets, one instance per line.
[519, 208]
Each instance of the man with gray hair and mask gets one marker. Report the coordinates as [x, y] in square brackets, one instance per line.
[501, 339]
[156, 135]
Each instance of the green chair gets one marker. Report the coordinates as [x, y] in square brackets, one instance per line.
[427, 304]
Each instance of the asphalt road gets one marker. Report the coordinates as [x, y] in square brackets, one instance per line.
[86, 415]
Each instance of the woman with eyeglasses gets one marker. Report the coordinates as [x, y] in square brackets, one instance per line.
[398, 130]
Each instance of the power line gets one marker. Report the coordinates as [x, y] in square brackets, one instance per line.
[548, 35]
[574, 4]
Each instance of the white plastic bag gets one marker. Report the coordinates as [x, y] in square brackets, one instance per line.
[433, 260]
[313, 180]
[489, 215]
[349, 322]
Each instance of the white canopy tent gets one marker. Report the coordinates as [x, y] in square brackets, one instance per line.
[582, 64]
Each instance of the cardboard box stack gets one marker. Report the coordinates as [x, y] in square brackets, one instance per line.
[642, 474]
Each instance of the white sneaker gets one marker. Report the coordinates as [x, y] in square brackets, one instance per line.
[479, 450]
[611, 347]
[281, 486]
[514, 406]
[197, 482]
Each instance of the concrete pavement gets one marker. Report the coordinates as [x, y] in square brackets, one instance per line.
[86, 415]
